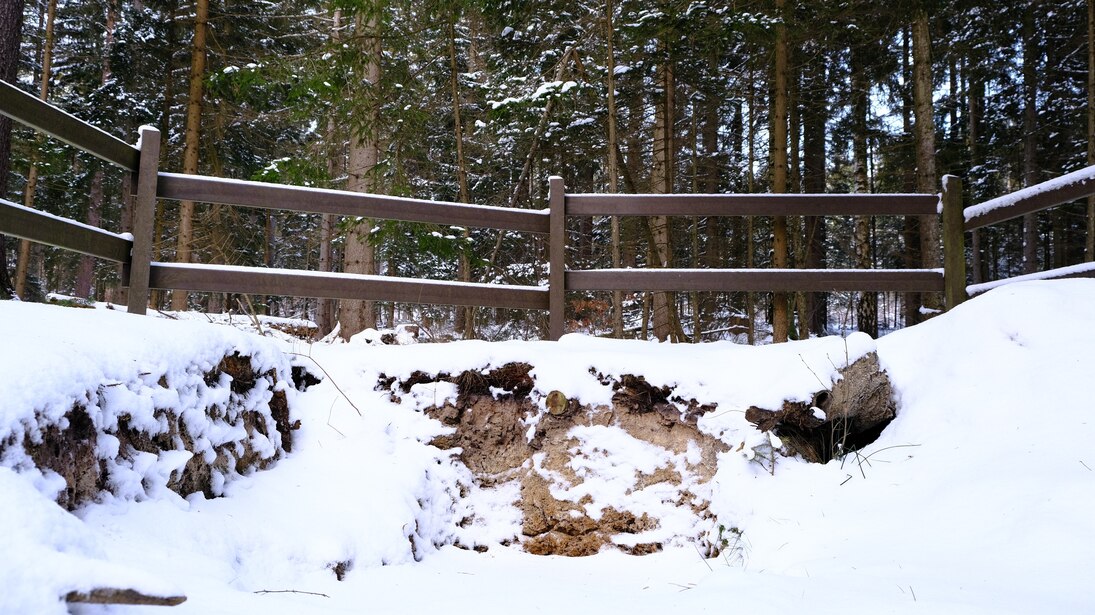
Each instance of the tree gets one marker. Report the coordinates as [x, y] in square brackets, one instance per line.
[780, 317]
[23, 264]
[364, 154]
[11, 33]
[867, 304]
[926, 176]
[184, 249]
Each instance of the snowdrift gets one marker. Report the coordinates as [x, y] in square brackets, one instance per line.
[974, 499]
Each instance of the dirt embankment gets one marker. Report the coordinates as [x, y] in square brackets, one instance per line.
[98, 448]
[505, 434]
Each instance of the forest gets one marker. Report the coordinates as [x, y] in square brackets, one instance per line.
[479, 101]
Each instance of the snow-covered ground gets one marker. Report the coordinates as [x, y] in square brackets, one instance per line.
[977, 499]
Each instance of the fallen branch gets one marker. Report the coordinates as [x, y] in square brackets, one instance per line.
[289, 591]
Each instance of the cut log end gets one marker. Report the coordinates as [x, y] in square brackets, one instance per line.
[108, 595]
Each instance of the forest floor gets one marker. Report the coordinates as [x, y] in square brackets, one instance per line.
[977, 498]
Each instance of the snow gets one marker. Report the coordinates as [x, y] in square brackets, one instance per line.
[1075, 271]
[976, 499]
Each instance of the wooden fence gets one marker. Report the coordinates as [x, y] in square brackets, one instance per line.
[141, 273]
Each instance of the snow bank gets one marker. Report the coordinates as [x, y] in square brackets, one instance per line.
[137, 398]
[976, 499]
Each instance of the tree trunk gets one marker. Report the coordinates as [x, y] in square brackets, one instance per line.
[85, 273]
[1030, 135]
[813, 178]
[867, 302]
[750, 298]
[613, 167]
[325, 308]
[468, 312]
[661, 182]
[779, 170]
[910, 230]
[183, 250]
[926, 177]
[974, 96]
[11, 34]
[1090, 244]
[23, 263]
[359, 257]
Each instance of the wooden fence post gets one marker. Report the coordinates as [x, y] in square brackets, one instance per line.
[954, 242]
[144, 213]
[556, 257]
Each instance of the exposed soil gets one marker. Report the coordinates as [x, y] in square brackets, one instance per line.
[494, 440]
[71, 450]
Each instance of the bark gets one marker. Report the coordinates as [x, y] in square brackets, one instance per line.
[1090, 244]
[927, 180]
[466, 314]
[974, 96]
[11, 33]
[750, 298]
[910, 231]
[613, 167]
[661, 182]
[359, 256]
[798, 233]
[1030, 136]
[325, 308]
[867, 302]
[23, 264]
[192, 142]
[813, 178]
[85, 272]
[779, 171]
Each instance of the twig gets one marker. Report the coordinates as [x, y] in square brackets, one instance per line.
[250, 309]
[894, 446]
[326, 373]
[1085, 465]
[289, 591]
[812, 371]
[166, 315]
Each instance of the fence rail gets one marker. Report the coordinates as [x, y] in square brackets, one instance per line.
[44, 117]
[339, 202]
[1058, 191]
[38, 226]
[751, 204]
[757, 280]
[148, 183]
[296, 283]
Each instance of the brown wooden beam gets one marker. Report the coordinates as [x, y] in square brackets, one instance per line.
[40, 227]
[28, 110]
[144, 214]
[757, 280]
[954, 243]
[292, 283]
[1064, 189]
[317, 200]
[557, 258]
[751, 204]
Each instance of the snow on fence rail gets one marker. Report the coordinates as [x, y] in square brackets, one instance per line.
[148, 183]
[1057, 191]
